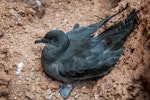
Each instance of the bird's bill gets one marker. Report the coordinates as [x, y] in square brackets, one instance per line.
[39, 41]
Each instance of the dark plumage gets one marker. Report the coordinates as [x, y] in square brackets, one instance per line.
[78, 56]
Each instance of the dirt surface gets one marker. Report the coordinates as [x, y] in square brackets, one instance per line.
[24, 21]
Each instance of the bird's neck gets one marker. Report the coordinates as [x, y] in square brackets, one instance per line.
[54, 51]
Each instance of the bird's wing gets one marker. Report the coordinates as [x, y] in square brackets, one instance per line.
[115, 36]
[101, 56]
[86, 64]
[88, 30]
[121, 29]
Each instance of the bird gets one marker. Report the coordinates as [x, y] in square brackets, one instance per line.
[76, 55]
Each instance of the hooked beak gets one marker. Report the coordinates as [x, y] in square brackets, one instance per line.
[39, 41]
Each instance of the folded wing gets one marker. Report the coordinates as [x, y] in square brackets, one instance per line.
[101, 54]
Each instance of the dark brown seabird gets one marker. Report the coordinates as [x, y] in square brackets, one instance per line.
[77, 55]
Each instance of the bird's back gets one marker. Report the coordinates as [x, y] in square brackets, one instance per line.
[97, 56]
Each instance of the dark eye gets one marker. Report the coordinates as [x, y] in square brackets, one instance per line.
[53, 39]
[45, 40]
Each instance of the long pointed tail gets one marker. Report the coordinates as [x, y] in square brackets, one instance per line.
[127, 25]
[99, 24]
[119, 33]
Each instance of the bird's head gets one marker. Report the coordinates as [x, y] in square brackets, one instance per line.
[52, 37]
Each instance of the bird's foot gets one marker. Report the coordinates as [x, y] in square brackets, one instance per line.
[66, 89]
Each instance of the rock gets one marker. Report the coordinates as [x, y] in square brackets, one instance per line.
[22, 13]
[76, 96]
[85, 90]
[12, 12]
[37, 35]
[38, 97]
[32, 87]
[96, 96]
[38, 89]
[138, 72]
[30, 95]
[108, 86]
[4, 90]
[38, 67]
[20, 23]
[49, 97]
[125, 92]
[135, 91]
[1, 33]
[145, 58]
[119, 89]
[54, 85]
[2, 98]
[8, 14]
[101, 98]
[95, 88]
[44, 85]
[4, 78]
[30, 11]
[20, 94]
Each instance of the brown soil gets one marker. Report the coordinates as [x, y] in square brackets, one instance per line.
[24, 21]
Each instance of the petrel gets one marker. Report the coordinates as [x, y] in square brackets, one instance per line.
[77, 55]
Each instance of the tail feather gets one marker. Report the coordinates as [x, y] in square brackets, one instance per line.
[120, 30]
[129, 22]
[117, 34]
[99, 24]
[123, 30]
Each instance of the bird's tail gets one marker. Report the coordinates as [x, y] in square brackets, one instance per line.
[127, 25]
[99, 24]
[117, 35]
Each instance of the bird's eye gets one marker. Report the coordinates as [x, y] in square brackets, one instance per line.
[45, 40]
[53, 39]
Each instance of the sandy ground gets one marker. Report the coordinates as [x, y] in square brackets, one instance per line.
[24, 21]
